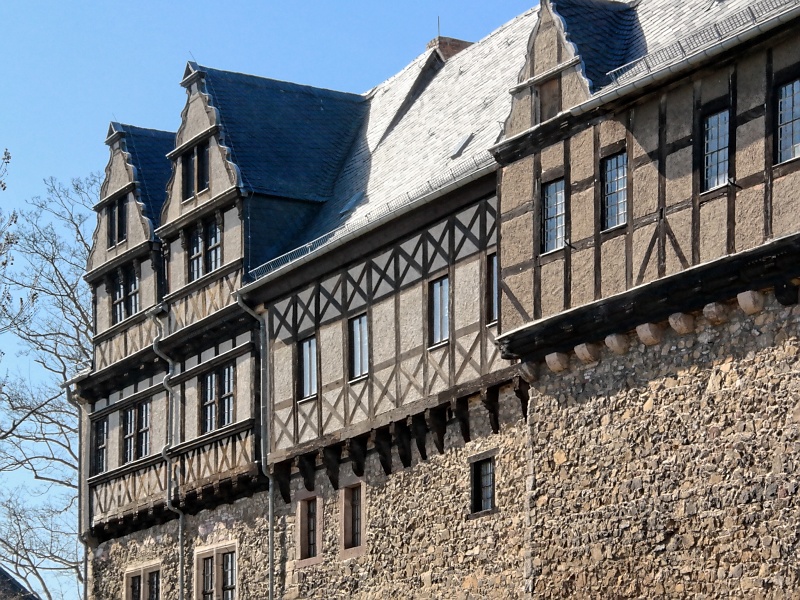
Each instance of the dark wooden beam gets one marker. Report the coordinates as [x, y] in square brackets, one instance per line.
[307, 464]
[281, 475]
[462, 414]
[437, 424]
[522, 391]
[383, 445]
[331, 456]
[419, 429]
[357, 448]
[490, 398]
[402, 438]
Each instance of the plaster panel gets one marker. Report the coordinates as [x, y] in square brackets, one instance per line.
[581, 155]
[679, 108]
[645, 128]
[715, 85]
[103, 312]
[114, 451]
[468, 357]
[118, 173]
[283, 427]
[545, 45]
[785, 54]
[553, 157]
[612, 130]
[384, 389]
[517, 246]
[307, 421]
[282, 376]
[383, 331]
[681, 225]
[148, 285]
[438, 370]
[468, 293]
[517, 184]
[521, 116]
[750, 148]
[191, 408]
[786, 205]
[644, 264]
[749, 218]
[612, 267]
[516, 302]
[713, 229]
[412, 312]
[177, 266]
[331, 352]
[573, 88]
[221, 174]
[552, 291]
[582, 277]
[751, 81]
[411, 379]
[679, 176]
[582, 212]
[231, 236]
[245, 394]
[645, 190]
[158, 424]
[332, 409]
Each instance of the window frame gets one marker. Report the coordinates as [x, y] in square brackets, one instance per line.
[135, 425]
[116, 212]
[215, 557]
[204, 248]
[195, 170]
[492, 288]
[305, 500]
[222, 401]
[144, 575]
[350, 517]
[307, 368]
[124, 290]
[358, 347]
[99, 457]
[560, 217]
[478, 498]
[793, 79]
[620, 194]
[439, 311]
[712, 112]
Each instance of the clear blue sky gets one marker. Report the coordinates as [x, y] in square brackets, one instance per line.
[69, 68]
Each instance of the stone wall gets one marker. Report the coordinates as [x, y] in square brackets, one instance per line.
[673, 470]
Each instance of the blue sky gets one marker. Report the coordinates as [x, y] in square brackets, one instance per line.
[69, 68]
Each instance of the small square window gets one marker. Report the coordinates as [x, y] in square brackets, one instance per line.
[215, 574]
[308, 368]
[439, 310]
[483, 485]
[789, 121]
[143, 583]
[358, 347]
[615, 190]
[553, 216]
[310, 528]
[117, 220]
[715, 150]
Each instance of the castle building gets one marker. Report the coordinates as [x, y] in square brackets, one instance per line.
[520, 320]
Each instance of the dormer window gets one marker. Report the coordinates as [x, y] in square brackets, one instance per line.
[194, 169]
[124, 294]
[205, 249]
[117, 220]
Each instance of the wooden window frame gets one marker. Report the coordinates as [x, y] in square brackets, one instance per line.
[791, 80]
[439, 311]
[620, 194]
[559, 240]
[195, 171]
[124, 289]
[706, 184]
[223, 381]
[349, 547]
[476, 462]
[116, 212]
[144, 573]
[358, 347]
[304, 499]
[135, 425]
[215, 556]
[204, 248]
[307, 375]
[99, 457]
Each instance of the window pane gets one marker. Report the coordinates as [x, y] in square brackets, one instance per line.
[789, 121]
[311, 528]
[308, 367]
[154, 585]
[143, 441]
[187, 166]
[195, 255]
[122, 219]
[229, 576]
[202, 166]
[359, 347]
[226, 400]
[715, 153]
[615, 193]
[553, 216]
[111, 223]
[99, 455]
[493, 291]
[136, 587]
[209, 422]
[208, 578]
[440, 310]
[213, 246]
[355, 516]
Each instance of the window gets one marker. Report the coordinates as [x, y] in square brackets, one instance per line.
[553, 216]
[439, 310]
[308, 367]
[117, 221]
[205, 249]
[99, 446]
[483, 484]
[217, 398]
[615, 190]
[143, 584]
[359, 347]
[124, 293]
[352, 534]
[194, 169]
[136, 432]
[492, 288]
[715, 150]
[789, 121]
[216, 574]
[310, 528]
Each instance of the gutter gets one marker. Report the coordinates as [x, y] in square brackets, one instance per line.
[67, 386]
[153, 313]
[360, 231]
[659, 76]
[265, 420]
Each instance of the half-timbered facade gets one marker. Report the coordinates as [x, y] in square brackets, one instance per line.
[358, 345]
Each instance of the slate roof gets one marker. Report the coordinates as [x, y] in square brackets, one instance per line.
[11, 589]
[287, 139]
[442, 103]
[148, 149]
[609, 34]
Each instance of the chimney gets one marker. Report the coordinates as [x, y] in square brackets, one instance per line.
[447, 46]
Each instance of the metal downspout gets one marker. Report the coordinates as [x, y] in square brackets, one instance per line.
[81, 535]
[153, 314]
[264, 425]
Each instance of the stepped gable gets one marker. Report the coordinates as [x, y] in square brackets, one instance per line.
[288, 140]
[438, 105]
[148, 149]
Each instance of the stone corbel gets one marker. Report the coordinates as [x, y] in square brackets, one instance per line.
[681, 323]
[751, 302]
[307, 463]
[522, 391]
[331, 456]
[437, 424]
[650, 334]
[383, 444]
[419, 429]
[402, 438]
[490, 398]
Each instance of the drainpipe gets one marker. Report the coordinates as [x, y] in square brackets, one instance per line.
[265, 420]
[153, 314]
[67, 386]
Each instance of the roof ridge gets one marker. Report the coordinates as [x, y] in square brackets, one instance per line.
[140, 128]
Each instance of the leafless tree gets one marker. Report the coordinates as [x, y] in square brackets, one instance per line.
[4, 160]
[46, 307]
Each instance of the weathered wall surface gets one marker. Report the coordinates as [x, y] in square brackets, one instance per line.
[673, 470]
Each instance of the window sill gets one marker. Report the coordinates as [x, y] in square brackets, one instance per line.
[438, 345]
[551, 252]
[492, 323]
[307, 399]
[353, 552]
[358, 379]
[482, 513]
[614, 229]
[308, 562]
[715, 192]
[118, 244]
